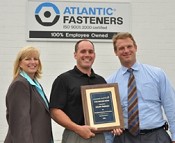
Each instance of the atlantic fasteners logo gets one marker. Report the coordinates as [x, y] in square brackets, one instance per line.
[47, 14]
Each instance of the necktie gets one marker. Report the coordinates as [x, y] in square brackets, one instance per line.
[133, 113]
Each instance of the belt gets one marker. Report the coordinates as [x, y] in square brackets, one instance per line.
[146, 131]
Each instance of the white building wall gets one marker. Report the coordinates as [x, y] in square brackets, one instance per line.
[152, 26]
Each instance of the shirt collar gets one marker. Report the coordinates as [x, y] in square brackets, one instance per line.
[135, 67]
[27, 77]
[83, 74]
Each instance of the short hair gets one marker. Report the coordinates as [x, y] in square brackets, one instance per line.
[78, 42]
[122, 35]
[23, 53]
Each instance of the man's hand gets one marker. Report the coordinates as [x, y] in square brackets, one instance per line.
[117, 132]
[85, 131]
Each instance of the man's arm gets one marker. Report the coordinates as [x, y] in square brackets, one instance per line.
[62, 119]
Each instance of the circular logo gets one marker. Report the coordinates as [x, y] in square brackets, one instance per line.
[47, 14]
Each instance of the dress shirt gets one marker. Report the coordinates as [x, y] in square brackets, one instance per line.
[154, 92]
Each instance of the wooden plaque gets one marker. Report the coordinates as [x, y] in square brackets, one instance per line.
[101, 106]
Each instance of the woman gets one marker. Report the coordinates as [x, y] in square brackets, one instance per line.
[28, 114]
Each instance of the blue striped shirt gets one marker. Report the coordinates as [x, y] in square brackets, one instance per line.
[154, 92]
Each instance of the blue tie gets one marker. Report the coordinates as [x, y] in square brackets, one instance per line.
[133, 113]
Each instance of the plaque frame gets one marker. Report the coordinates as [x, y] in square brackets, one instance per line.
[101, 95]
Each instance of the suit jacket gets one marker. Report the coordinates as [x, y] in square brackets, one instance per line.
[27, 115]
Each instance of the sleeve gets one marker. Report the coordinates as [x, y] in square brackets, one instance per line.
[58, 96]
[168, 101]
[112, 78]
[109, 138]
[18, 107]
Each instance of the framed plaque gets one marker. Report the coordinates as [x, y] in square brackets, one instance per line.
[101, 106]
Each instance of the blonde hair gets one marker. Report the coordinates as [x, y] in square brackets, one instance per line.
[122, 35]
[23, 53]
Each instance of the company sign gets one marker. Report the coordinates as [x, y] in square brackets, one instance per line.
[69, 21]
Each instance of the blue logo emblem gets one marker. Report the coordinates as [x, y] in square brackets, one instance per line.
[47, 14]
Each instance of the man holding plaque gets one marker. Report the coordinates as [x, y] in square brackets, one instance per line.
[144, 90]
[65, 99]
